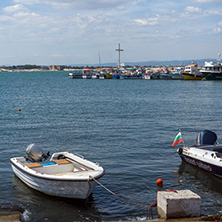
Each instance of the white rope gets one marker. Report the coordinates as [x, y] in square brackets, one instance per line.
[148, 207]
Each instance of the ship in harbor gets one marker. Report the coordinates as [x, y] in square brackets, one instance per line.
[205, 154]
[191, 72]
[212, 71]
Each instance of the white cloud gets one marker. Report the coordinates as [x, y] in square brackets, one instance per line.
[135, 2]
[213, 12]
[141, 21]
[217, 30]
[15, 8]
[27, 2]
[58, 30]
[25, 14]
[203, 1]
[4, 18]
[157, 20]
[192, 10]
[148, 21]
[54, 30]
[209, 1]
[80, 4]
[57, 55]
[92, 4]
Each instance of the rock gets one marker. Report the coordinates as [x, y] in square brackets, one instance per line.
[10, 216]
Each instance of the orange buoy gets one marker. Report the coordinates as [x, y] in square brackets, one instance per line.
[19, 109]
[159, 181]
[159, 184]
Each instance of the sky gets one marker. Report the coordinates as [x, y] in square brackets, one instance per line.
[65, 32]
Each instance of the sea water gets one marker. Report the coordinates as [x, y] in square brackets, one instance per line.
[127, 126]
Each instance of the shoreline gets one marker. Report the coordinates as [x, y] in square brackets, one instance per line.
[17, 216]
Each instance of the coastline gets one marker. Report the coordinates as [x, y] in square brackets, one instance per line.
[17, 216]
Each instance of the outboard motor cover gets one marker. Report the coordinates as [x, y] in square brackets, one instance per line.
[206, 137]
[35, 153]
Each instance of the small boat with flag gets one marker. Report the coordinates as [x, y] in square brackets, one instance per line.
[64, 175]
[205, 154]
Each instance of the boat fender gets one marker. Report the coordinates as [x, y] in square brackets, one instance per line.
[180, 151]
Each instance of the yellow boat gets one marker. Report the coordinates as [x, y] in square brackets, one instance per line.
[191, 72]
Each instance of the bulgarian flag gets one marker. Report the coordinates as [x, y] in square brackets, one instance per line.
[178, 139]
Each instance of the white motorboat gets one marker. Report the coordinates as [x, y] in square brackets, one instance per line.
[64, 175]
[212, 71]
[206, 154]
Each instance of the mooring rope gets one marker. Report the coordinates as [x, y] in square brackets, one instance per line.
[149, 213]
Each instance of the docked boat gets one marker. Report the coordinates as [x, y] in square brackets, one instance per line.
[117, 76]
[191, 72]
[108, 76]
[205, 154]
[64, 175]
[101, 76]
[95, 76]
[87, 73]
[165, 74]
[177, 73]
[151, 75]
[147, 76]
[87, 76]
[77, 74]
[212, 71]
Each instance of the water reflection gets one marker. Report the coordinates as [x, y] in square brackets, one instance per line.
[207, 180]
[43, 207]
[206, 185]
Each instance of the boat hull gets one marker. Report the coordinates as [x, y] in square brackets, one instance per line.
[212, 75]
[74, 177]
[177, 76]
[87, 76]
[192, 77]
[67, 188]
[211, 168]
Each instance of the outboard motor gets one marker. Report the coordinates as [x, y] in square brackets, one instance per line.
[35, 153]
[206, 137]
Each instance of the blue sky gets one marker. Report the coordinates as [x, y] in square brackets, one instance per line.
[46, 32]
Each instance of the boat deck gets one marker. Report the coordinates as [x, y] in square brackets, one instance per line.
[61, 167]
[217, 148]
[59, 162]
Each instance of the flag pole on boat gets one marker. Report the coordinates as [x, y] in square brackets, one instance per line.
[178, 139]
[182, 137]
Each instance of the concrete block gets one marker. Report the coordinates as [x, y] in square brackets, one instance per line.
[182, 203]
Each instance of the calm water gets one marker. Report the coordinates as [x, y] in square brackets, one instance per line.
[126, 125]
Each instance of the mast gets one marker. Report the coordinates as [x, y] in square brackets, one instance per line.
[119, 50]
[218, 58]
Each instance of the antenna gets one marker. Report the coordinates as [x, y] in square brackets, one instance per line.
[119, 50]
[218, 58]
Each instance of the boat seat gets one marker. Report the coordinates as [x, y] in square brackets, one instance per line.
[33, 165]
[59, 162]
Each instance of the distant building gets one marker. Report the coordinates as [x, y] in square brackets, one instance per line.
[56, 67]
